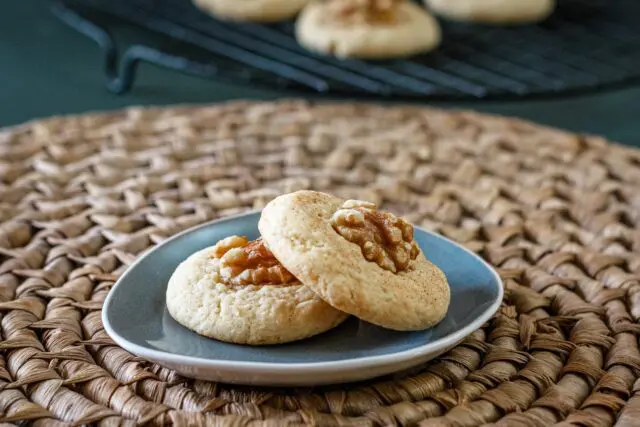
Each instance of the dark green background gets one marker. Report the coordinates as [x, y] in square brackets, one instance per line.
[47, 68]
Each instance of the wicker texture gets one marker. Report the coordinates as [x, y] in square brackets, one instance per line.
[557, 213]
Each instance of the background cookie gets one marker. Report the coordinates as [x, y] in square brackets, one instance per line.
[298, 229]
[252, 10]
[198, 298]
[415, 31]
[493, 11]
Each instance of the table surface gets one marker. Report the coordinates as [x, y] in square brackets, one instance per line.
[47, 69]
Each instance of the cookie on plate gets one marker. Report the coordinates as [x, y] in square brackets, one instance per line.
[237, 292]
[501, 12]
[251, 10]
[370, 29]
[360, 260]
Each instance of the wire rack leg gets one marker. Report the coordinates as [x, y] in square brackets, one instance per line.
[121, 76]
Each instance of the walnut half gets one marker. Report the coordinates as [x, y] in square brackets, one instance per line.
[243, 262]
[383, 237]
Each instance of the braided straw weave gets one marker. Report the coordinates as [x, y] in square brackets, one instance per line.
[556, 213]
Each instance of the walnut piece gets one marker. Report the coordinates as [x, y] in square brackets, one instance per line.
[384, 238]
[243, 262]
[364, 11]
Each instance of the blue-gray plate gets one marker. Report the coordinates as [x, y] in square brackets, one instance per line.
[136, 318]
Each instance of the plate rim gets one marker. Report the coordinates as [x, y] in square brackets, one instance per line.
[271, 368]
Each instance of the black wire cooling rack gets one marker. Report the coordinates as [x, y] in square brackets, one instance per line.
[585, 45]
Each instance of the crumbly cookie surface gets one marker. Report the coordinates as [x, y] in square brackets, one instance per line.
[367, 28]
[374, 285]
[237, 292]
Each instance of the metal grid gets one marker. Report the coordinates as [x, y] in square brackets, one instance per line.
[586, 44]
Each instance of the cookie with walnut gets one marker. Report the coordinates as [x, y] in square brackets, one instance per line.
[370, 29]
[360, 260]
[237, 292]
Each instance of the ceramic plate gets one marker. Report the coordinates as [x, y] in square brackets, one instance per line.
[135, 316]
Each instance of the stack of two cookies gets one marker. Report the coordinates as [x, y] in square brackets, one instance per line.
[319, 260]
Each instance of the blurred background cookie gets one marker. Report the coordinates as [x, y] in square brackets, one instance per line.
[251, 10]
[367, 28]
[493, 11]
[237, 292]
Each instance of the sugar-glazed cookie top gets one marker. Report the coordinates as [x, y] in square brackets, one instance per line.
[383, 237]
[239, 261]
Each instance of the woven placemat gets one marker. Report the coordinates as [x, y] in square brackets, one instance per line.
[556, 213]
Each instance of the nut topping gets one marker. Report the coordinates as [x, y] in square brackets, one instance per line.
[364, 11]
[244, 262]
[384, 238]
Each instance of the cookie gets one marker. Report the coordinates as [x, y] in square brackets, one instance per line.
[251, 10]
[370, 29]
[493, 11]
[360, 260]
[237, 292]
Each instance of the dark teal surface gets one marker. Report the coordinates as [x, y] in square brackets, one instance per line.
[47, 68]
[137, 310]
